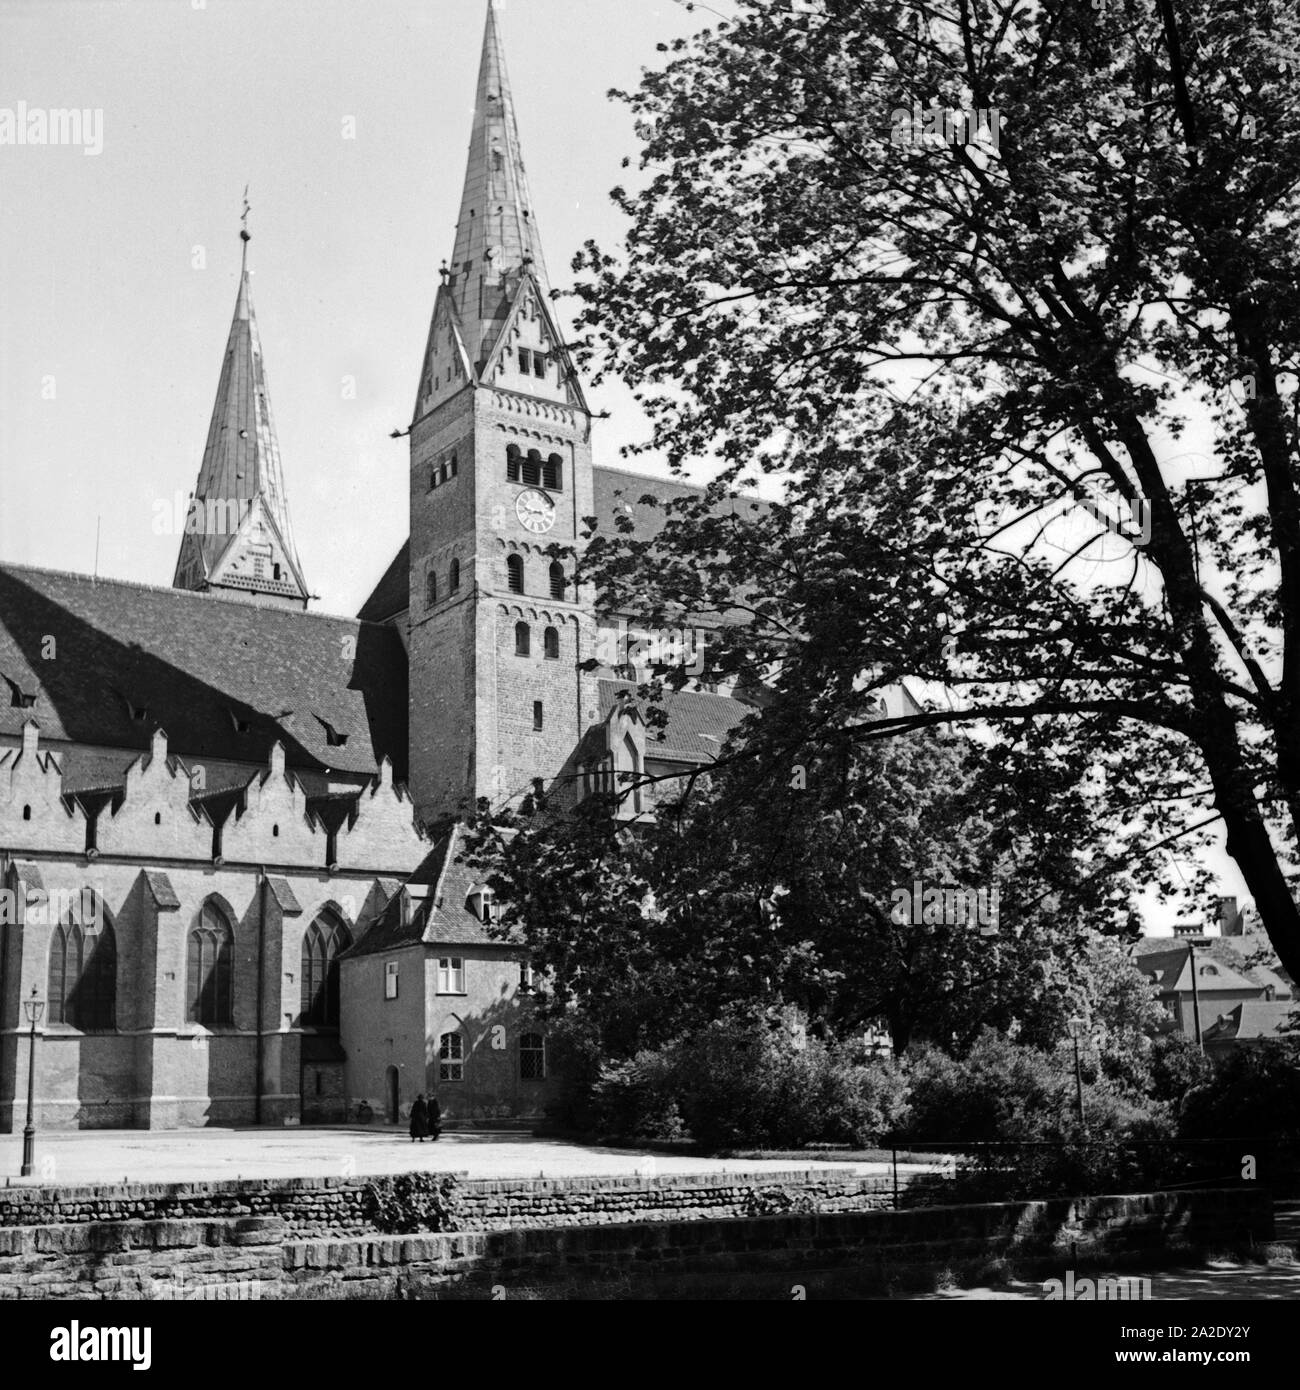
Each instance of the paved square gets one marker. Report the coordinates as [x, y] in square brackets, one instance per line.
[200, 1155]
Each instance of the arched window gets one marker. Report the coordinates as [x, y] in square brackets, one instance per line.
[451, 1057]
[453, 577]
[553, 473]
[326, 939]
[208, 982]
[557, 579]
[513, 457]
[532, 1057]
[82, 986]
[533, 468]
[523, 639]
[551, 644]
[515, 573]
[430, 589]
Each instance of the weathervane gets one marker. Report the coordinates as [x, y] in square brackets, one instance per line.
[244, 233]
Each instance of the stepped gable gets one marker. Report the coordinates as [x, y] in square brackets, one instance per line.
[104, 663]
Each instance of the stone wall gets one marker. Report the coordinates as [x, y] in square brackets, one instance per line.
[330, 1207]
[257, 1256]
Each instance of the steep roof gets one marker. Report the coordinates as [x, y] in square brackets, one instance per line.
[1251, 1020]
[496, 232]
[241, 472]
[435, 914]
[109, 662]
[1165, 960]
[392, 595]
[698, 722]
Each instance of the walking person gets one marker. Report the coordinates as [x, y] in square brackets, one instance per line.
[434, 1117]
[419, 1119]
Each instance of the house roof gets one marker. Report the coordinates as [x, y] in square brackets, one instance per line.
[1165, 960]
[392, 595]
[225, 678]
[1251, 1020]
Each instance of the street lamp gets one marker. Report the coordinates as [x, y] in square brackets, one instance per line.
[1077, 1026]
[33, 1008]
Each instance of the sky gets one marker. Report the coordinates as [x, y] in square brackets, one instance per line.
[349, 120]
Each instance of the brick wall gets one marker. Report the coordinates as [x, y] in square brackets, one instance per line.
[246, 1252]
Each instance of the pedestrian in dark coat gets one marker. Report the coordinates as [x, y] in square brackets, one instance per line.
[434, 1113]
[419, 1120]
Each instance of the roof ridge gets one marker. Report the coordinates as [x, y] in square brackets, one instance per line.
[94, 581]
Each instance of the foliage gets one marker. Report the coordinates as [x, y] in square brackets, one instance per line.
[952, 355]
[1176, 1067]
[1252, 1091]
[412, 1202]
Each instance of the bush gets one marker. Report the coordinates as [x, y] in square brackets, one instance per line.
[1254, 1091]
[637, 1099]
[413, 1202]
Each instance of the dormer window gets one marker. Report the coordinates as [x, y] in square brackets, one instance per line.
[333, 737]
[238, 722]
[481, 902]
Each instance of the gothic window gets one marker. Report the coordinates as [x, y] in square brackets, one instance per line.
[532, 1057]
[515, 573]
[513, 457]
[551, 644]
[557, 580]
[451, 975]
[523, 639]
[430, 589]
[82, 985]
[326, 939]
[453, 578]
[537, 716]
[451, 1057]
[209, 968]
[553, 472]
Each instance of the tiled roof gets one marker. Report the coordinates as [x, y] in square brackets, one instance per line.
[698, 723]
[1251, 1020]
[128, 659]
[437, 918]
[1164, 959]
[392, 595]
[164, 895]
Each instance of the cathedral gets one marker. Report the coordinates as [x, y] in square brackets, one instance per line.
[229, 850]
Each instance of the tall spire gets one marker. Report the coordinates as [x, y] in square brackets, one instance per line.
[238, 537]
[496, 234]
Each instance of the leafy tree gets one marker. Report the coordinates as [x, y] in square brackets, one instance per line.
[944, 348]
[744, 895]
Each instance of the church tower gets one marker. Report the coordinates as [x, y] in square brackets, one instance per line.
[500, 472]
[238, 541]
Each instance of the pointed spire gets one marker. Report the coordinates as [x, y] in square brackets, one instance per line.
[496, 234]
[237, 534]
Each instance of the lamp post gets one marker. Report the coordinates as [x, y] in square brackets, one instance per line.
[33, 1008]
[1076, 1027]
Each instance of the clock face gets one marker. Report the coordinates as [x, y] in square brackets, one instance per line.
[536, 511]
